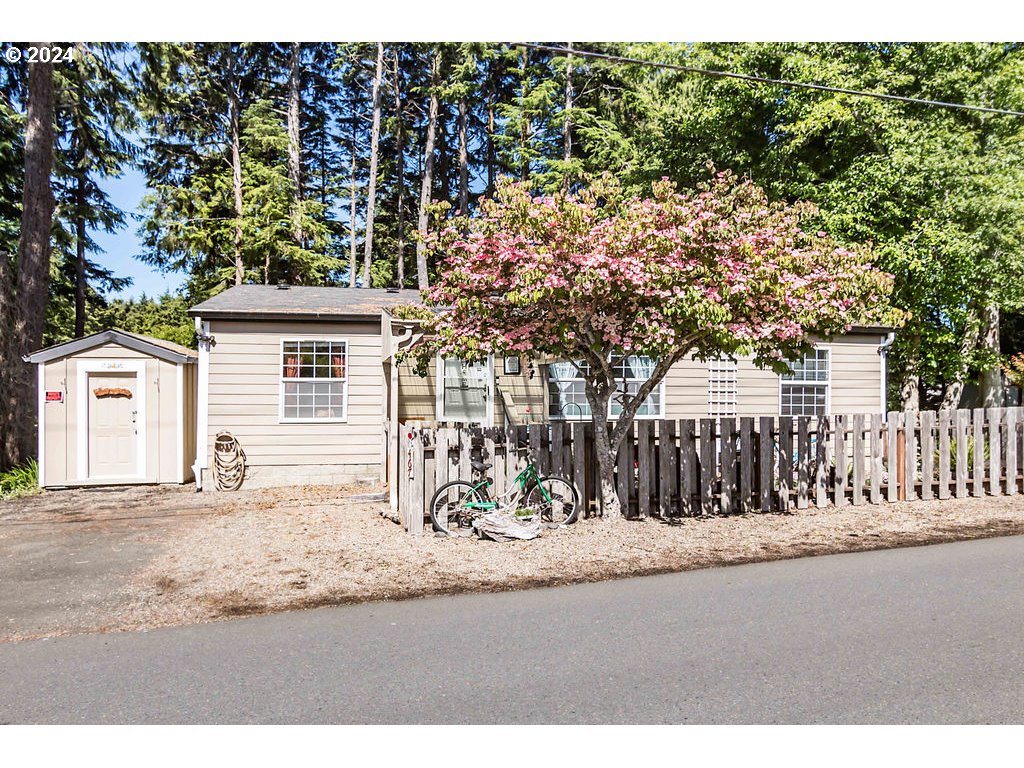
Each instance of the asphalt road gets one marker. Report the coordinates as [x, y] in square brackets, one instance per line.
[925, 635]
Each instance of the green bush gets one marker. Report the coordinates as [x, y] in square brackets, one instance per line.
[20, 481]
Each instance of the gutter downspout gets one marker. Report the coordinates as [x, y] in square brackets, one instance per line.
[393, 436]
[203, 406]
[883, 350]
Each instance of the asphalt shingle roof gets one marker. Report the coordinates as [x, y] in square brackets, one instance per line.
[268, 301]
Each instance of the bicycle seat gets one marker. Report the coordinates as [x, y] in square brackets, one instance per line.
[479, 466]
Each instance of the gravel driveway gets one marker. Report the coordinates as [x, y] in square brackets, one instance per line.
[131, 558]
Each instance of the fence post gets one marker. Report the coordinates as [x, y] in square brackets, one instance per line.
[417, 504]
[857, 457]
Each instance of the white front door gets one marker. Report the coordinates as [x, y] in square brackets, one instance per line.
[113, 433]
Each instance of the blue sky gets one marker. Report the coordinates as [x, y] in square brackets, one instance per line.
[121, 248]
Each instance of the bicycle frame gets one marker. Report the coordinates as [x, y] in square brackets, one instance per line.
[518, 488]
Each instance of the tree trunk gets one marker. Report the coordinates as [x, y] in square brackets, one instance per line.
[567, 121]
[33, 270]
[428, 172]
[236, 165]
[955, 388]
[8, 354]
[463, 155]
[352, 258]
[910, 386]
[441, 178]
[524, 123]
[991, 384]
[491, 159]
[605, 450]
[295, 140]
[371, 197]
[80, 235]
[400, 159]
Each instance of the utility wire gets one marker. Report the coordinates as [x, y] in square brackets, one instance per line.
[765, 80]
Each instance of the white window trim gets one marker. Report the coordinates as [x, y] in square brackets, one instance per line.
[87, 366]
[488, 420]
[659, 389]
[281, 380]
[828, 384]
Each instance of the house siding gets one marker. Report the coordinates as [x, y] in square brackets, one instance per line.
[244, 399]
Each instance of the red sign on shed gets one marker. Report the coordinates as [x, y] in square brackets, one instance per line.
[55, 395]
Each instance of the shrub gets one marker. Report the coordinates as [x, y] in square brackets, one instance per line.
[20, 481]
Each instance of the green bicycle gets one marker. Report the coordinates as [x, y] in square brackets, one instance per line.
[455, 505]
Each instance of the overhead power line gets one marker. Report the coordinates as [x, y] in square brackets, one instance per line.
[764, 80]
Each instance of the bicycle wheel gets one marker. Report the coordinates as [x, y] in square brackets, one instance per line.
[448, 511]
[561, 505]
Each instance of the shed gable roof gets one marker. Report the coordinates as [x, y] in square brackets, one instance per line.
[147, 345]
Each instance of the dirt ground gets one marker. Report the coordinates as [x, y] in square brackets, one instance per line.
[133, 558]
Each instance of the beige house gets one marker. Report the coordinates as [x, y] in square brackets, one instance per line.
[115, 408]
[304, 378]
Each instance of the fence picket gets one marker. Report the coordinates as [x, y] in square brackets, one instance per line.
[555, 465]
[707, 465]
[839, 483]
[911, 443]
[645, 460]
[687, 466]
[666, 454]
[892, 436]
[785, 462]
[995, 452]
[978, 488]
[857, 457]
[944, 455]
[875, 447]
[927, 455]
[746, 465]
[417, 505]
[1011, 451]
[766, 462]
[803, 465]
[822, 463]
[727, 497]
[579, 464]
[960, 427]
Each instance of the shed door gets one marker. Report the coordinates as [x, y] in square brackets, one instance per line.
[112, 430]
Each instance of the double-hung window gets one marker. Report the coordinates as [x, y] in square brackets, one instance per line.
[567, 396]
[805, 390]
[314, 380]
[464, 390]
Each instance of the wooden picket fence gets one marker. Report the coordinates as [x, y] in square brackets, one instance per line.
[699, 467]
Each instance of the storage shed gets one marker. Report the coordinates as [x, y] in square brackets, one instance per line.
[116, 408]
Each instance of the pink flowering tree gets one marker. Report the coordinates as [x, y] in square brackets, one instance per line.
[596, 276]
